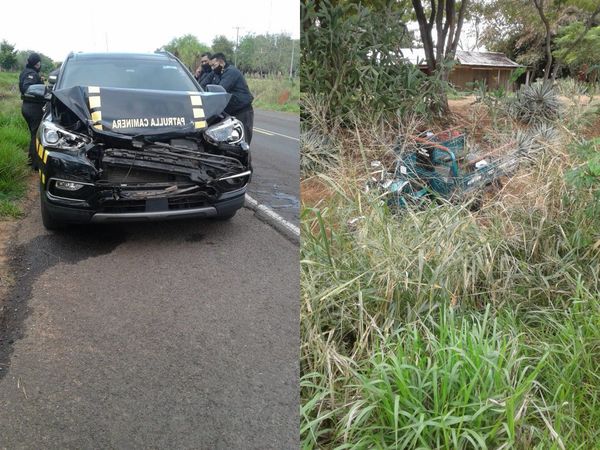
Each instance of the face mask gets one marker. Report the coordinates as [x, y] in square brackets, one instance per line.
[206, 67]
[218, 69]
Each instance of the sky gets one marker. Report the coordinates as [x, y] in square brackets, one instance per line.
[59, 27]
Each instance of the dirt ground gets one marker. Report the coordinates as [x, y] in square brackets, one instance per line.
[314, 191]
[462, 106]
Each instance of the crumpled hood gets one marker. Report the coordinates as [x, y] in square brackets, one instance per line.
[135, 112]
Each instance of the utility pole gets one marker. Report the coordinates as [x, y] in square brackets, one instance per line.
[237, 43]
[292, 61]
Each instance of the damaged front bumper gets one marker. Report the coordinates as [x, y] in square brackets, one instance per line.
[123, 185]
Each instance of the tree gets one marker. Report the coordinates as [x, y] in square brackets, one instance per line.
[579, 48]
[448, 27]
[187, 48]
[268, 53]
[574, 40]
[47, 64]
[509, 28]
[503, 21]
[8, 56]
[246, 58]
[350, 61]
[539, 6]
[221, 44]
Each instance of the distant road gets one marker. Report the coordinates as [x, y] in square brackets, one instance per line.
[276, 162]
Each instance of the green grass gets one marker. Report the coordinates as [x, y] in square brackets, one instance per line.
[447, 328]
[444, 382]
[275, 94]
[9, 209]
[14, 140]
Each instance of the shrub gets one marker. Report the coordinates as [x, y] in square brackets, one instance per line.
[350, 58]
[536, 103]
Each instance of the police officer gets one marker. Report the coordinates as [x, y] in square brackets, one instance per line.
[31, 110]
[204, 73]
[232, 80]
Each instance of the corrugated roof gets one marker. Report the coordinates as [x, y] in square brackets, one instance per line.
[492, 59]
[484, 59]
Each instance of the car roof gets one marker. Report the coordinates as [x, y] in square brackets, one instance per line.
[127, 56]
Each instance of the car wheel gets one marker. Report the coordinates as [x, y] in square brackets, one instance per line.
[49, 222]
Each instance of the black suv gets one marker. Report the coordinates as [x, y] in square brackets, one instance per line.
[134, 137]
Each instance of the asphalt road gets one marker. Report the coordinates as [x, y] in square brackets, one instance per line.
[276, 163]
[177, 334]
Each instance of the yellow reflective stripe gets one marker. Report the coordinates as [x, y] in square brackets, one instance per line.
[200, 124]
[96, 116]
[98, 126]
[196, 100]
[40, 150]
[94, 101]
[93, 89]
[45, 156]
[43, 179]
[198, 113]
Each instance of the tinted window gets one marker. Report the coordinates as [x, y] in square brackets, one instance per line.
[122, 73]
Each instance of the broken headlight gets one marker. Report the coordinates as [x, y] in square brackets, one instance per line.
[230, 131]
[57, 137]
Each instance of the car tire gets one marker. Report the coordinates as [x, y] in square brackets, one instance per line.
[50, 223]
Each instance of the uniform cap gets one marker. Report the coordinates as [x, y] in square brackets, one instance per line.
[33, 59]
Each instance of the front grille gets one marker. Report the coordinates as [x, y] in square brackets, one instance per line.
[175, 203]
[131, 175]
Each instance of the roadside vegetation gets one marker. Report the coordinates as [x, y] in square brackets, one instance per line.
[267, 61]
[14, 139]
[446, 326]
[275, 94]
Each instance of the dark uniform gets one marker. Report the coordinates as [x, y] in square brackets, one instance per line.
[205, 78]
[240, 104]
[31, 110]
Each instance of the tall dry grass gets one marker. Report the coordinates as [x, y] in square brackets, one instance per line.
[442, 327]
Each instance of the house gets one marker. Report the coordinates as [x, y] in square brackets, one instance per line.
[470, 67]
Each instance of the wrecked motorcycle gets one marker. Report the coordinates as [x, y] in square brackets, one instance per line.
[440, 166]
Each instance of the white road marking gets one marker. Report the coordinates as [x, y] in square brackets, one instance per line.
[262, 132]
[271, 133]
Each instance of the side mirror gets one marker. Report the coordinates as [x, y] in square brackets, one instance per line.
[53, 77]
[37, 93]
[215, 88]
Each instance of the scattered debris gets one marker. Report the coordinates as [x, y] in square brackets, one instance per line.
[441, 165]
[353, 223]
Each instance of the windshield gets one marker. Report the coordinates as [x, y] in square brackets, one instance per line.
[130, 74]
